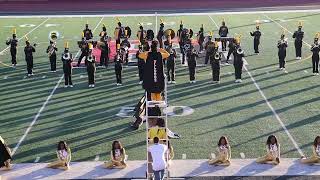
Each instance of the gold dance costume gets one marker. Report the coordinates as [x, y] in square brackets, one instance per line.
[117, 161]
[272, 156]
[64, 158]
[315, 158]
[224, 156]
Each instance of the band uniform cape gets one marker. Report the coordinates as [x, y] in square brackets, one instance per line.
[4, 153]
[153, 77]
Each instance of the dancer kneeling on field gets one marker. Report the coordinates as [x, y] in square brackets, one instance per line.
[273, 152]
[224, 153]
[118, 157]
[5, 155]
[315, 157]
[63, 155]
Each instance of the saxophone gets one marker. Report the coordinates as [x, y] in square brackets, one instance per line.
[52, 49]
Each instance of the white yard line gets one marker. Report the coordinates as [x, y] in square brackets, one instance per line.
[37, 160]
[36, 117]
[272, 109]
[187, 13]
[214, 22]
[283, 27]
[274, 112]
[97, 158]
[42, 107]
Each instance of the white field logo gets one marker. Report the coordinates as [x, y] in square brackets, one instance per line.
[170, 111]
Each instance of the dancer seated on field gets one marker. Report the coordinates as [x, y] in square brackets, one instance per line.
[118, 155]
[63, 155]
[5, 155]
[224, 153]
[315, 157]
[273, 152]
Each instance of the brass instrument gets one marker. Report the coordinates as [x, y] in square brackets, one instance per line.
[90, 58]
[240, 50]
[283, 41]
[169, 32]
[217, 55]
[52, 49]
[66, 56]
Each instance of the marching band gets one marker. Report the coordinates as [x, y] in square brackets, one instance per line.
[212, 47]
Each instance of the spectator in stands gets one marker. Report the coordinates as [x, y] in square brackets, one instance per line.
[273, 152]
[224, 153]
[157, 153]
[118, 157]
[315, 157]
[5, 155]
[63, 155]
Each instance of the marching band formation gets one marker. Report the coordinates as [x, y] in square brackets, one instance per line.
[213, 47]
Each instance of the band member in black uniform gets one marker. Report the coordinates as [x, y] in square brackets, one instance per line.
[141, 63]
[200, 38]
[153, 76]
[298, 35]
[215, 59]
[232, 48]
[51, 50]
[104, 31]
[84, 51]
[238, 61]
[192, 55]
[141, 34]
[223, 32]
[87, 32]
[67, 67]
[117, 33]
[160, 34]
[104, 47]
[315, 48]
[13, 47]
[28, 51]
[171, 64]
[125, 45]
[282, 51]
[256, 41]
[208, 47]
[91, 67]
[180, 40]
[118, 66]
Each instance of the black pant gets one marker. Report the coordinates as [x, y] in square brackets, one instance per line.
[53, 62]
[256, 43]
[224, 44]
[282, 61]
[215, 72]
[182, 52]
[104, 58]
[83, 54]
[206, 60]
[67, 79]
[171, 72]
[298, 46]
[118, 76]
[315, 64]
[91, 74]
[160, 42]
[238, 69]
[192, 73]
[141, 70]
[229, 54]
[200, 45]
[29, 61]
[13, 52]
